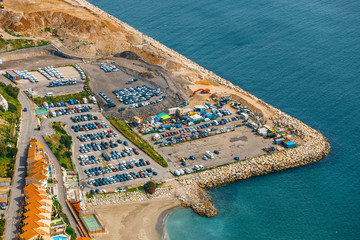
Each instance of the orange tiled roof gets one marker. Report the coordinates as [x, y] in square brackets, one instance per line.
[38, 212]
[37, 161]
[38, 203]
[77, 207]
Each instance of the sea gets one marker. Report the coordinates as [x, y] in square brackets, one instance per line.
[302, 57]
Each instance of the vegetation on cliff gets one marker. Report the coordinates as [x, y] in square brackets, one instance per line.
[7, 45]
[9, 128]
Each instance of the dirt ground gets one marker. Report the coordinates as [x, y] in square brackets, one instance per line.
[133, 220]
[34, 58]
[242, 143]
[153, 76]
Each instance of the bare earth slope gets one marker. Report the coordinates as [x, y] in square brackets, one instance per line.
[78, 28]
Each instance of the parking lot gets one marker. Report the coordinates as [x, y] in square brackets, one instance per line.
[42, 86]
[106, 154]
[169, 90]
[241, 143]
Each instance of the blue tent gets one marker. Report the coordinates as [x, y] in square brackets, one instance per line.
[289, 144]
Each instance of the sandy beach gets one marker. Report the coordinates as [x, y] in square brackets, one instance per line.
[136, 220]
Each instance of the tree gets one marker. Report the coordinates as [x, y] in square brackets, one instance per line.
[3, 149]
[68, 142]
[62, 140]
[68, 154]
[12, 108]
[12, 151]
[150, 187]
[12, 91]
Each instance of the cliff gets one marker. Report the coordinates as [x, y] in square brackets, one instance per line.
[3, 103]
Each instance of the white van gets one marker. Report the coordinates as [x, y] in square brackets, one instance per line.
[49, 94]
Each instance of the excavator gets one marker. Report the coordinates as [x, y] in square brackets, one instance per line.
[1, 4]
[202, 91]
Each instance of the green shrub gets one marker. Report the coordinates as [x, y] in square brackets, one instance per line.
[150, 187]
[71, 232]
[12, 91]
[63, 98]
[3, 149]
[12, 108]
[11, 152]
[2, 226]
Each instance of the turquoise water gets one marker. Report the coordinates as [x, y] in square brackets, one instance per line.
[60, 238]
[300, 56]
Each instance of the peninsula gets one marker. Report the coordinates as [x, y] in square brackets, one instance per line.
[128, 128]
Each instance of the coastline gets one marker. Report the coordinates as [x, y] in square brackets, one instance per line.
[191, 188]
[136, 220]
[161, 223]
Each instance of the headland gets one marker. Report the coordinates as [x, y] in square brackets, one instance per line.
[81, 32]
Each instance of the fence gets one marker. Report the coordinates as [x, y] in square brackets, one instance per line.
[92, 221]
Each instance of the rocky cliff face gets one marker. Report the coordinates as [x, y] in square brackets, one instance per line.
[86, 37]
[80, 30]
[3, 103]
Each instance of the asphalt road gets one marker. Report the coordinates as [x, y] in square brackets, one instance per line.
[28, 124]
[26, 130]
[60, 184]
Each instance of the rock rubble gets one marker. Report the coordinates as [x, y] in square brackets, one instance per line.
[123, 197]
[313, 148]
[191, 193]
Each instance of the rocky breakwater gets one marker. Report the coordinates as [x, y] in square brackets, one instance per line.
[125, 197]
[314, 145]
[313, 148]
[191, 195]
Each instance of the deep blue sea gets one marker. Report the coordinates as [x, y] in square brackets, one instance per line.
[301, 56]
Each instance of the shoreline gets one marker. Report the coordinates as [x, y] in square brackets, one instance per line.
[191, 190]
[136, 220]
[161, 223]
